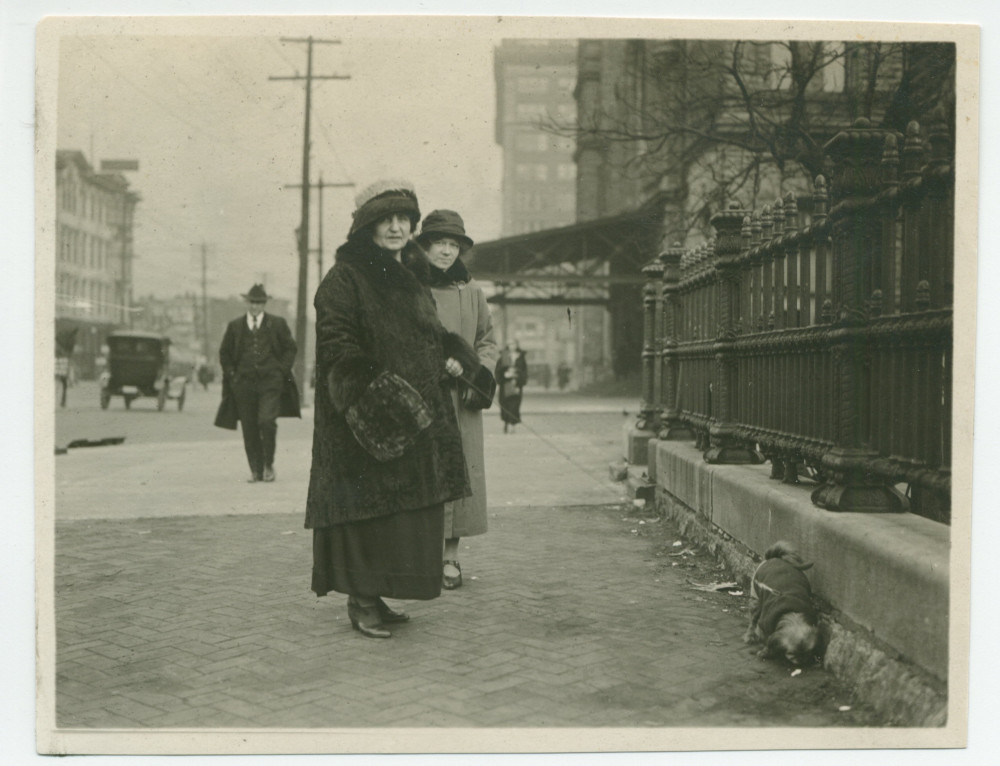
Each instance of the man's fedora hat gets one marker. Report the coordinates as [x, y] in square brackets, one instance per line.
[257, 293]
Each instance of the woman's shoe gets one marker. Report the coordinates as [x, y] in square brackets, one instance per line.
[366, 620]
[388, 614]
[450, 583]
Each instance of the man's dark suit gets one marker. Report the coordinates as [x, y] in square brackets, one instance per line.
[256, 365]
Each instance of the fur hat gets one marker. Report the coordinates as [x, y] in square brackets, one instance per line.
[383, 198]
[388, 417]
[444, 223]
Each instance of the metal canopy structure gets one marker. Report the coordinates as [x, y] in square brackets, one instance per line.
[580, 263]
[593, 263]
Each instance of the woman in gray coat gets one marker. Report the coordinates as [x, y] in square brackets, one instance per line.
[463, 310]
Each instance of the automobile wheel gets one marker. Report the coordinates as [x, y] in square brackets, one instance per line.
[105, 398]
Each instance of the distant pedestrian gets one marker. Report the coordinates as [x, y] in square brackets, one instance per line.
[62, 378]
[463, 309]
[205, 375]
[257, 354]
[387, 453]
[562, 375]
[65, 343]
[512, 374]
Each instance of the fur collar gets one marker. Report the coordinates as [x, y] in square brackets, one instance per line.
[379, 264]
[456, 274]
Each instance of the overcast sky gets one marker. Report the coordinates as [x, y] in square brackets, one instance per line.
[216, 140]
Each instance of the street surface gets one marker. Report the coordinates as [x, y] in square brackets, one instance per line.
[182, 594]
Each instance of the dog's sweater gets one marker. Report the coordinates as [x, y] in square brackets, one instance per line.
[781, 589]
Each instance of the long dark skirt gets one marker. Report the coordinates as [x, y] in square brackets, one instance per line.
[510, 407]
[397, 556]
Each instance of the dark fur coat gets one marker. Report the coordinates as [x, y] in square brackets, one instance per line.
[374, 314]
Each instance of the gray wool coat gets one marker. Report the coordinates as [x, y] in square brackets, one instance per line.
[373, 315]
[463, 309]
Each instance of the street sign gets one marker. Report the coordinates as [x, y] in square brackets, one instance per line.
[114, 166]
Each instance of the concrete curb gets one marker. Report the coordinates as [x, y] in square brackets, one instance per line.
[887, 588]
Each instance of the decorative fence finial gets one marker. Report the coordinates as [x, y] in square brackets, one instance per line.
[791, 213]
[820, 199]
[779, 217]
[923, 296]
[913, 151]
[890, 161]
[766, 224]
[938, 138]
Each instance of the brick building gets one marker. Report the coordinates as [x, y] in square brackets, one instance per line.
[93, 259]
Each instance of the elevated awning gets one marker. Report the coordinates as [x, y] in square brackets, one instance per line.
[591, 254]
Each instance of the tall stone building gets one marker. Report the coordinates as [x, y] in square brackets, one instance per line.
[93, 261]
[534, 88]
[535, 80]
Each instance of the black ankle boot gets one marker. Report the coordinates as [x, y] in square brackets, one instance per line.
[366, 620]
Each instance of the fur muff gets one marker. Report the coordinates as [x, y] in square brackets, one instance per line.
[352, 378]
[374, 315]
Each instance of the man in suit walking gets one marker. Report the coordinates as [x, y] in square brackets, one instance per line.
[257, 354]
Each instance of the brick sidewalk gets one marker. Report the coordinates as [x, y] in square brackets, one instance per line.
[576, 617]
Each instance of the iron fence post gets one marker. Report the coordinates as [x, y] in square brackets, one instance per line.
[671, 426]
[856, 227]
[648, 420]
[724, 445]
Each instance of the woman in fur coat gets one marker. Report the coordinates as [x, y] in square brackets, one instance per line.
[462, 308]
[387, 453]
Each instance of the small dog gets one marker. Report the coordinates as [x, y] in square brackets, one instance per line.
[781, 610]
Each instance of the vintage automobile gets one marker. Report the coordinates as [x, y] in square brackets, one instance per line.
[138, 364]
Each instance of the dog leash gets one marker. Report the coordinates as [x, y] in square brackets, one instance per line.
[569, 458]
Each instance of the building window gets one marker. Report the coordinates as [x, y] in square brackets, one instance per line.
[530, 112]
[566, 84]
[532, 85]
[833, 72]
[532, 142]
[566, 171]
[566, 113]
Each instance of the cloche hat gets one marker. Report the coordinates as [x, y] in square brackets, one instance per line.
[446, 223]
[256, 293]
[384, 198]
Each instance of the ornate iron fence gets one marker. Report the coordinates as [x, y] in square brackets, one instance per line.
[817, 332]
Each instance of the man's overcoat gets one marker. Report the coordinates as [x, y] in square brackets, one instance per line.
[275, 332]
[374, 314]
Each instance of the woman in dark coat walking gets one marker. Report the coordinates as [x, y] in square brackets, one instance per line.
[512, 374]
[387, 453]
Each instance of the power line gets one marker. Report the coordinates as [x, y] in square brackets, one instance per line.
[302, 233]
[319, 250]
[142, 91]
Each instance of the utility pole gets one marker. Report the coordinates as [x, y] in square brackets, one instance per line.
[303, 230]
[204, 301]
[319, 250]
